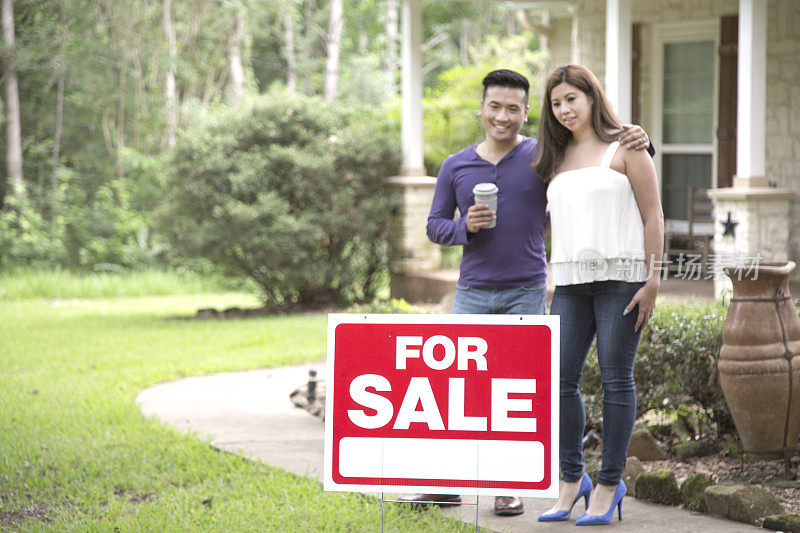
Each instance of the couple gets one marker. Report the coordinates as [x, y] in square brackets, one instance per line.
[604, 209]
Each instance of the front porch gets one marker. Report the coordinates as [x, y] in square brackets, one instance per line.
[712, 81]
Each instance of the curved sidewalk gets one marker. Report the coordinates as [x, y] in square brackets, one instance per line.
[249, 413]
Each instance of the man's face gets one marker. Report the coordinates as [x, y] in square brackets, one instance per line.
[503, 113]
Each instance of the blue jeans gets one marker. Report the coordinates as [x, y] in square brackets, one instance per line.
[501, 301]
[586, 310]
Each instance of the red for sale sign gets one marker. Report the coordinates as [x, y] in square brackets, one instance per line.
[449, 404]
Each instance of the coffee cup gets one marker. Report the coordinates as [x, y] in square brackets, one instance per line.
[486, 193]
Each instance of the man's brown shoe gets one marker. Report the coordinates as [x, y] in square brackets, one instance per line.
[507, 505]
[422, 501]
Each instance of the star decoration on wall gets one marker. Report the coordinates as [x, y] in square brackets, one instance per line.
[730, 226]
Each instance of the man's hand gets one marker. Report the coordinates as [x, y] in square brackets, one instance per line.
[479, 216]
[634, 137]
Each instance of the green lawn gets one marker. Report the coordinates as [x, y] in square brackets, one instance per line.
[77, 455]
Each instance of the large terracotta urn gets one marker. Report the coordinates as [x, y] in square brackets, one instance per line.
[759, 361]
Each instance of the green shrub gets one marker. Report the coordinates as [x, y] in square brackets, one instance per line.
[103, 226]
[673, 364]
[27, 238]
[289, 191]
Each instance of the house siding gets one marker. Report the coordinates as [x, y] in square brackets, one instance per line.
[783, 109]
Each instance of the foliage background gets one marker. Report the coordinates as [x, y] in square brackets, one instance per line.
[93, 77]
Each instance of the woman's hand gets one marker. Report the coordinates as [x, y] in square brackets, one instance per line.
[645, 299]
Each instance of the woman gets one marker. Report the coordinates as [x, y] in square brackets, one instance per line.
[607, 239]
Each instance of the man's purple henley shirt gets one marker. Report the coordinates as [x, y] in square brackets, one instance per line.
[512, 253]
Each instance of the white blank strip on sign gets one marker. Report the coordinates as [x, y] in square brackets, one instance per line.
[489, 460]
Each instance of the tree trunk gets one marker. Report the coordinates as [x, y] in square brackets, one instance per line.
[288, 37]
[62, 76]
[305, 52]
[13, 121]
[122, 87]
[392, 38]
[334, 44]
[139, 95]
[463, 43]
[235, 57]
[171, 94]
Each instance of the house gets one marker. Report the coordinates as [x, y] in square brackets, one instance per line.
[715, 83]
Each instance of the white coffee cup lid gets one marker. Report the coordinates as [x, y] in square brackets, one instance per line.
[485, 188]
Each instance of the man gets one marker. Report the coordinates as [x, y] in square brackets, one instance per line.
[503, 269]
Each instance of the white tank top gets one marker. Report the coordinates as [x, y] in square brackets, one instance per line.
[597, 233]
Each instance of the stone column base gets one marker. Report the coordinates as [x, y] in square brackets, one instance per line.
[413, 259]
[428, 287]
[757, 222]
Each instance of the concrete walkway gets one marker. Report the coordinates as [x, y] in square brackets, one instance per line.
[249, 413]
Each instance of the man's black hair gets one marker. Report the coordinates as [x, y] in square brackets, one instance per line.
[506, 78]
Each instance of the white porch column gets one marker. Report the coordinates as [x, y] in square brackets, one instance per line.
[751, 107]
[618, 57]
[754, 214]
[413, 259]
[411, 129]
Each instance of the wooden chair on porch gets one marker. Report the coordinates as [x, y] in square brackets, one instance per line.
[687, 243]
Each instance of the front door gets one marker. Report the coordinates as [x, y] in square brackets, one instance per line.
[685, 111]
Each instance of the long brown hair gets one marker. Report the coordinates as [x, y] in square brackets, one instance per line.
[553, 136]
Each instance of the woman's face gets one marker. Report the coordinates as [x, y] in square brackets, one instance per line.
[571, 107]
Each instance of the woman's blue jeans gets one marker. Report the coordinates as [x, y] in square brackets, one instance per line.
[588, 310]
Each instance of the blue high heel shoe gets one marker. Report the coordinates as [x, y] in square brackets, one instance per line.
[560, 516]
[597, 519]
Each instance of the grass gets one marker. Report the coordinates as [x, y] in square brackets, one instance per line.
[77, 455]
[36, 283]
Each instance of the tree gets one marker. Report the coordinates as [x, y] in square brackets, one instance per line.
[287, 19]
[390, 63]
[171, 94]
[334, 45]
[235, 56]
[13, 119]
[61, 67]
[306, 50]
